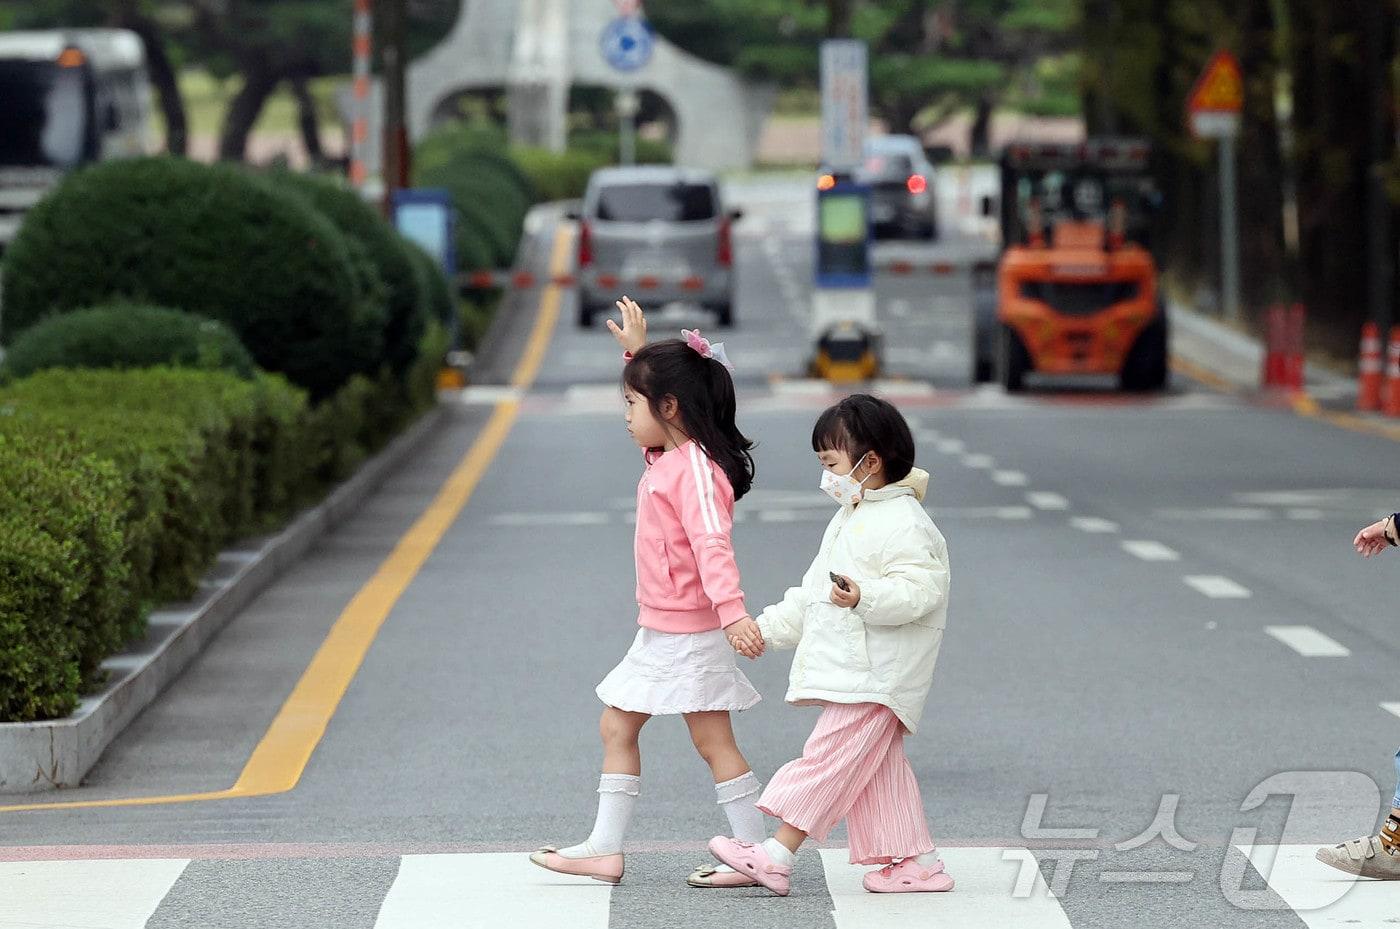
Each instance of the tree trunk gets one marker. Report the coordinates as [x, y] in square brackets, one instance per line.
[307, 120]
[259, 82]
[1261, 169]
[162, 74]
[980, 136]
[838, 19]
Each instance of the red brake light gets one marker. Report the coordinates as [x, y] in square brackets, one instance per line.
[585, 244]
[916, 184]
[725, 255]
[826, 182]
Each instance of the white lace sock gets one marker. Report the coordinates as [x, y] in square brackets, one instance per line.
[617, 795]
[736, 798]
[928, 859]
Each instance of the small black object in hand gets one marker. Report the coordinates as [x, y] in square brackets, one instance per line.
[839, 581]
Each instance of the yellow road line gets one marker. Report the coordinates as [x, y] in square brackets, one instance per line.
[280, 758]
[1302, 403]
[1203, 375]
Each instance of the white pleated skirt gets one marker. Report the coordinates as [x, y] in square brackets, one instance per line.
[666, 673]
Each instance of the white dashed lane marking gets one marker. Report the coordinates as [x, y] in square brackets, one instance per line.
[978, 462]
[1150, 551]
[1042, 500]
[1010, 478]
[951, 446]
[1220, 588]
[1308, 642]
[1094, 524]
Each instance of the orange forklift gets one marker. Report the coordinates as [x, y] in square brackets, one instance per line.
[1077, 289]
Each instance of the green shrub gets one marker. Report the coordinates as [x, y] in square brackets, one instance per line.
[608, 145]
[439, 302]
[78, 498]
[211, 240]
[39, 592]
[387, 251]
[127, 336]
[486, 199]
[558, 175]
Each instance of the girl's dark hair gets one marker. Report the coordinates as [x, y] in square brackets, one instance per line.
[861, 424]
[704, 391]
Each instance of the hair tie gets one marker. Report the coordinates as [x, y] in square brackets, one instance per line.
[704, 348]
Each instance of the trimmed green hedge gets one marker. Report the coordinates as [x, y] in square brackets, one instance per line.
[389, 253]
[127, 335]
[120, 487]
[210, 240]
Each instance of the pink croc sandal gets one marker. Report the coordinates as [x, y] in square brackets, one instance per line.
[908, 877]
[751, 860]
[705, 876]
[605, 868]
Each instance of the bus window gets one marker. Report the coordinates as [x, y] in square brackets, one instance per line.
[44, 122]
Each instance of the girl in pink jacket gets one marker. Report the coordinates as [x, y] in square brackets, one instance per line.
[680, 410]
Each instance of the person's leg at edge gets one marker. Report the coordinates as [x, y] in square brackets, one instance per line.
[619, 785]
[736, 786]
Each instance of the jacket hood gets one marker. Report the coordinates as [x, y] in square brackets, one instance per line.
[915, 483]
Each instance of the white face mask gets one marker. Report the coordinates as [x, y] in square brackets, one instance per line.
[843, 488]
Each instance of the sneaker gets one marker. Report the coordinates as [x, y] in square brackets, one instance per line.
[1365, 857]
[752, 860]
[605, 868]
[706, 876]
[908, 877]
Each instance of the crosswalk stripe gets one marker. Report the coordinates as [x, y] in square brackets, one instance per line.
[1321, 896]
[1392, 708]
[988, 892]
[490, 890]
[1308, 642]
[105, 894]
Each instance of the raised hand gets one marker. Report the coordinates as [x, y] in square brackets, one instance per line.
[632, 334]
[1372, 540]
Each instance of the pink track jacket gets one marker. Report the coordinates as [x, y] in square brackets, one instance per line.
[687, 580]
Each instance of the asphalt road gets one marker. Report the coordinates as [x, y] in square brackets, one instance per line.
[1155, 610]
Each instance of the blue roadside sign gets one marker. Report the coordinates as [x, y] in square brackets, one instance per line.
[627, 43]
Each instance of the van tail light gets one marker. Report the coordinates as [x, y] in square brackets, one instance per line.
[585, 244]
[916, 184]
[725, 255]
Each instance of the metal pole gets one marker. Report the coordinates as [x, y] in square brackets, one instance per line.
[395, 132]
[627, 105]
[359, 126]
[1229, 232]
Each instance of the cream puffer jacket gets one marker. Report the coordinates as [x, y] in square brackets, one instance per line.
[883, 650]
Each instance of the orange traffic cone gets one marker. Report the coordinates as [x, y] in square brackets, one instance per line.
[1392, 374]
[1368, 394]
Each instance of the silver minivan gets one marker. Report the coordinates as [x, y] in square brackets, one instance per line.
[659, 234]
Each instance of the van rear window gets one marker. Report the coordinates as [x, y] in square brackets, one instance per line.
[640, 203]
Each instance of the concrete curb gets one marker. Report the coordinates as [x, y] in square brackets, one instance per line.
[59, 753]
[1234, 356]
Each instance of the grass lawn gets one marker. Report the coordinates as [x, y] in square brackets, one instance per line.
[207, 97]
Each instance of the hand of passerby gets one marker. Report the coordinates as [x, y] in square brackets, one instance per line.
[847, 598]
[632, 334]
[1376, 537]
[746, 637]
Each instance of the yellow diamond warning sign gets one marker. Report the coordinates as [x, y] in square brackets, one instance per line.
[1213, 108]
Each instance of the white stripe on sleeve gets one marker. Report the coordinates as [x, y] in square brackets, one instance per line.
[695, 469]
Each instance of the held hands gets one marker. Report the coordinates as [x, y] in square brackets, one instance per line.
[632, 334]
[746, 637]
[1374, 538]
[845, 598]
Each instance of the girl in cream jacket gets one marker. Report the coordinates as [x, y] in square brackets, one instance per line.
[867, 622]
